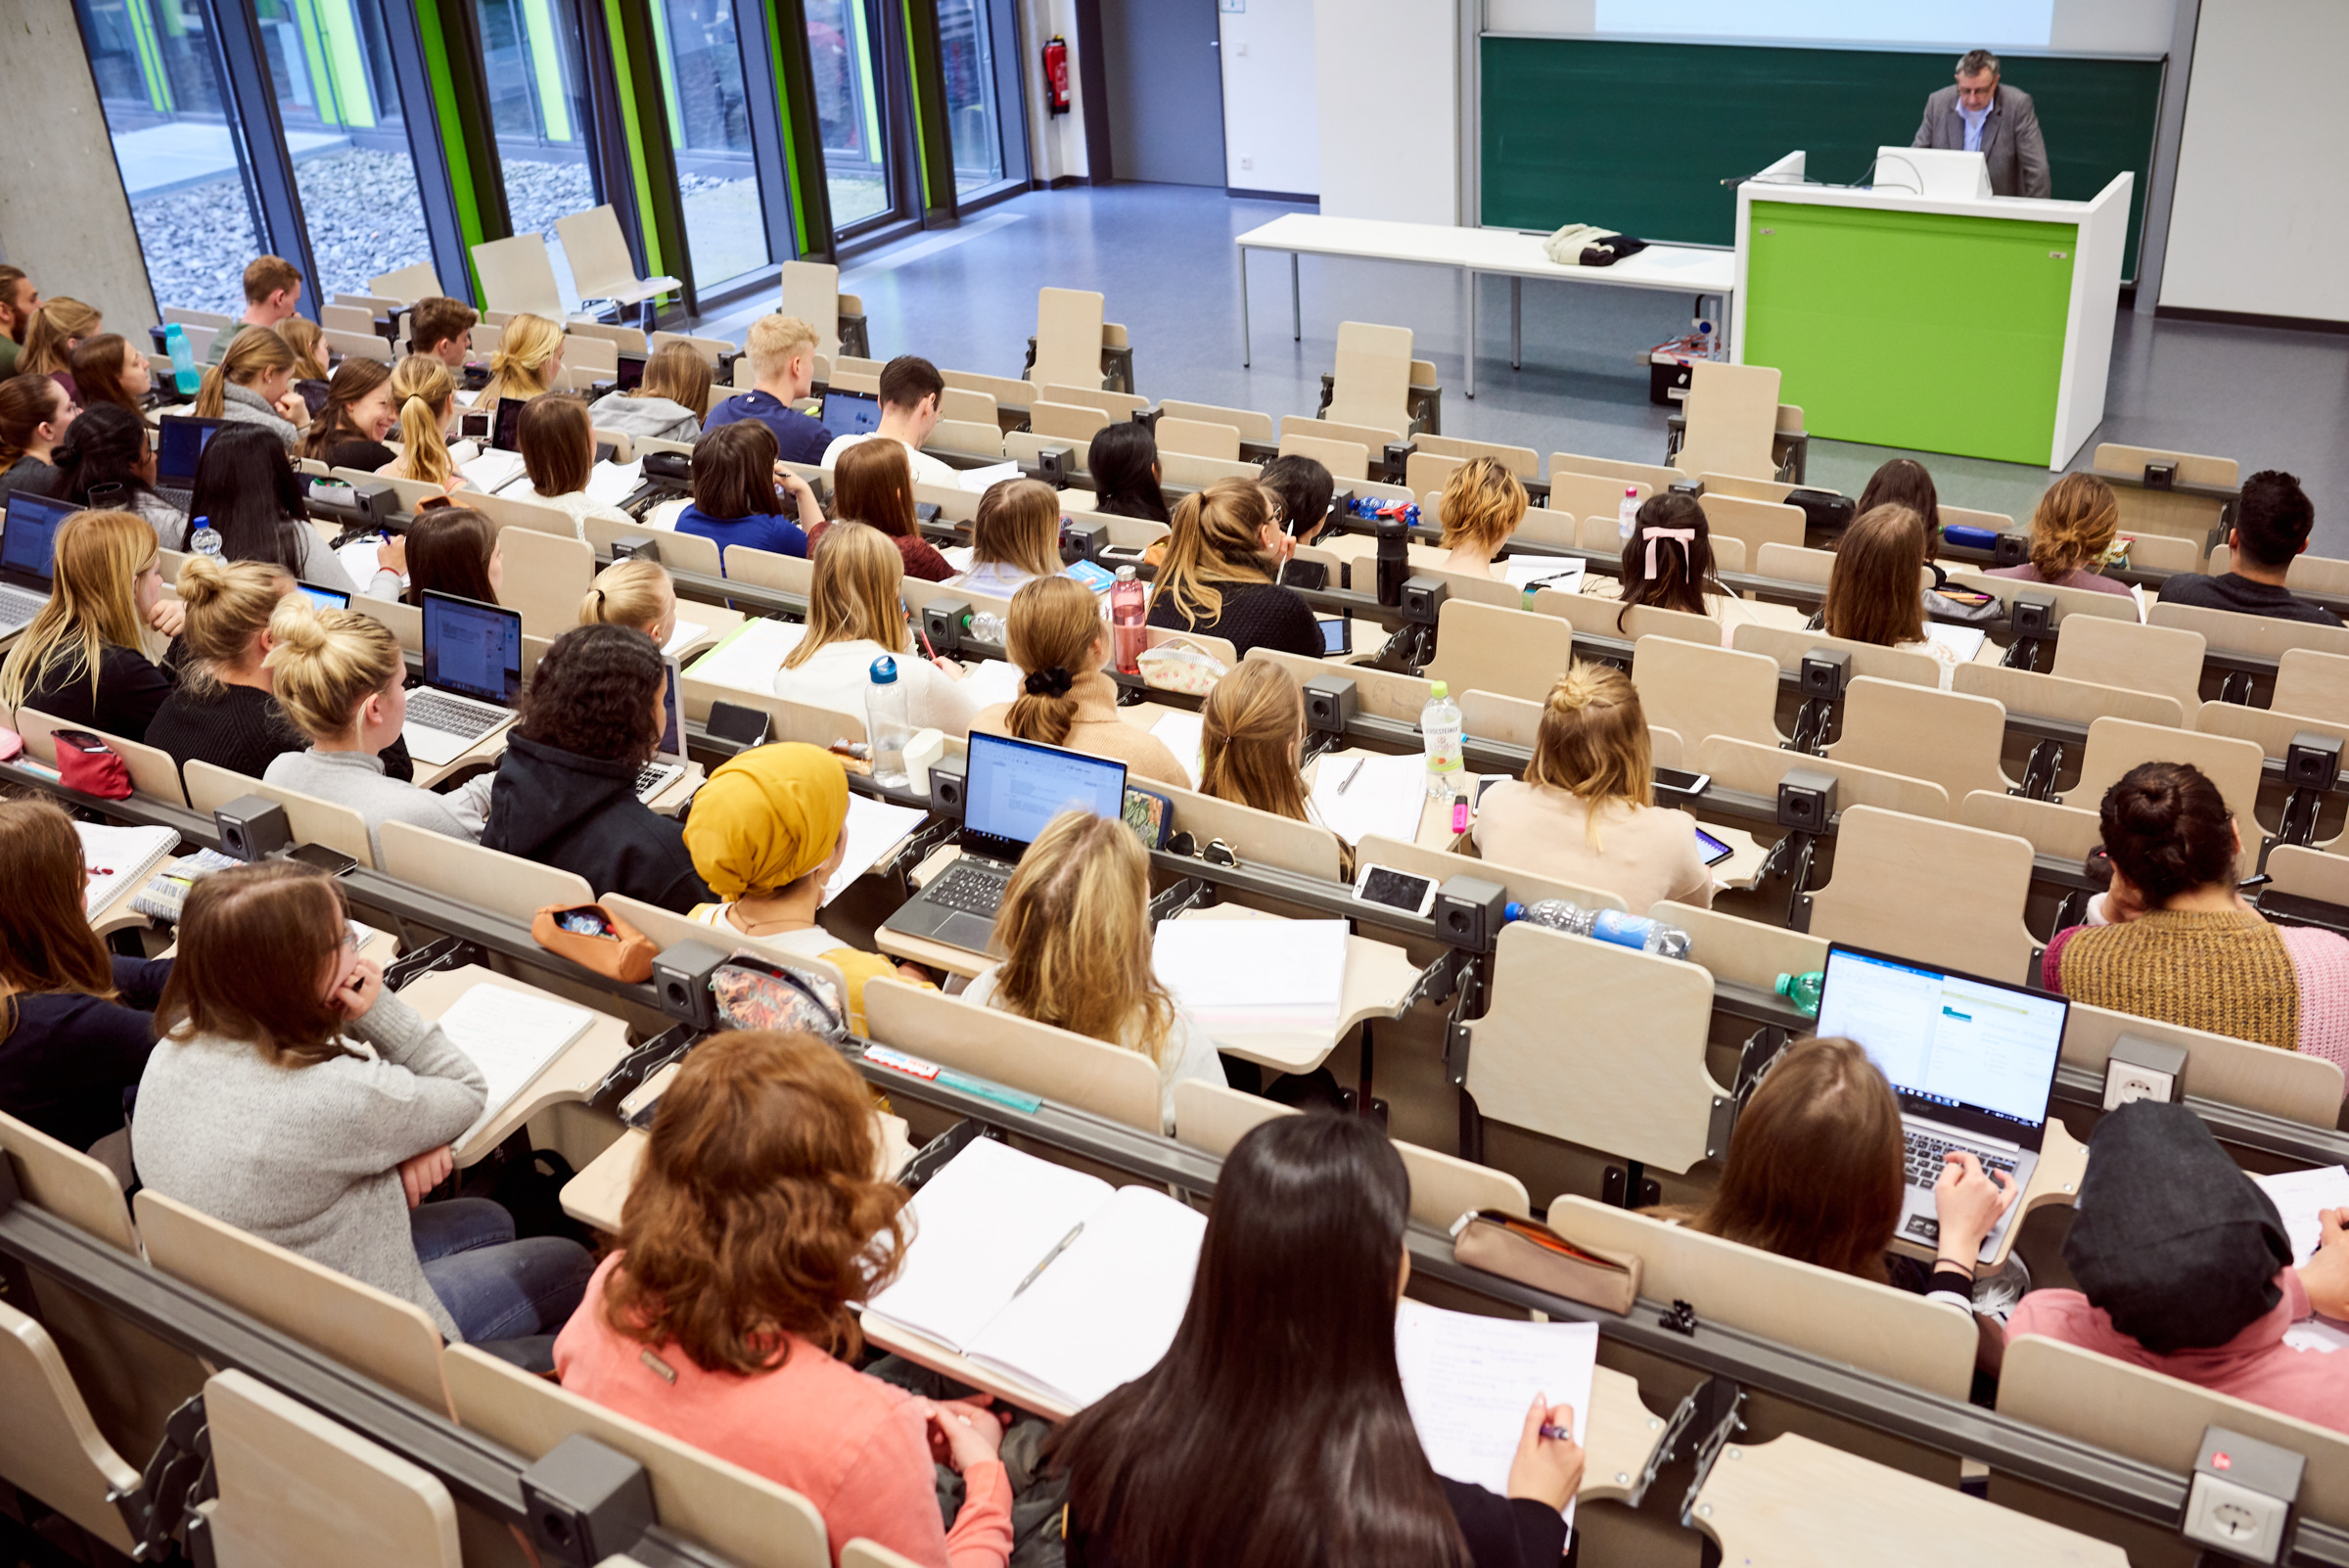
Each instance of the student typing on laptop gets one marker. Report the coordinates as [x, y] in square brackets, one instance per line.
[106, 464]
[81, 660]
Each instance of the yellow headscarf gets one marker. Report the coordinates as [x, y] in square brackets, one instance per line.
[767, 819]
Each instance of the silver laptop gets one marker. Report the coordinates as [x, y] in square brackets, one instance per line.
[471, 677]
[668, 764]
[27, 546]
[1972, 1060]
[1013, 789]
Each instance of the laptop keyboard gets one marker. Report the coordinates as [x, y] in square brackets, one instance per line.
[1927, 1155]
[180, 499]
[434, 710]
[967, 889]
[654, 777]
[18, 608]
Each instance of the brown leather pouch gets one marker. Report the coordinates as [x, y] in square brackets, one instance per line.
[612, 947]
[1532, 1254]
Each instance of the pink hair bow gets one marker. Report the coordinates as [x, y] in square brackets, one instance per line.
[1683, 535]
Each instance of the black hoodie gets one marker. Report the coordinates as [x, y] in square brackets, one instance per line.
[579, 815]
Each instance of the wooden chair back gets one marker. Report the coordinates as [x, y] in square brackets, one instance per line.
[786, 574]
[1499, 650]
[1071, 422]
[2069, 602]
[711, 349]
[65, 1182]
[1967, 517]
[1794, 563]
[1657, 478]
[1522, 461]
[408, 283]
[2166, 661]
[1973, 921]
[1345, 459]
[373, 1333]
[356, 344]
[600, 265]
[517, 276]
[1756, 522]
[668, 928]
[49, 1444]
[1380, 693]
[1260, 837]
[1067, 337]
[2309, 681]
[591, 351]
[153, 772]
[2295, 1086]
[405, 622]
[983, 438]
[296, 1487]
[2066, 832]
[1119, 406]
[1252, 426]
[1751, 952]
[1733, 415]
[622, 444]
[1701, 691]
[2308, 574]
[629, 340]
[1948, 737]
[2117, 745]
[1592, 615]
[1067, 1068]
[1597, 496]
[2267, 728]
[1186, 468]
[1598, 1045]
[1197, 438]
[743, 1517]
[1513, 721]
[1371, 384]
[1867, 658]
[2266, 636]
[546, 577]
[313, 820]
[2164, 553]
[682, 552]
[1749, 765]
[489, 878]
[970, 407]
[1525, 887]
[1474, 588]
[2080, 702]
[790, 720]
[2129, 462]
[812, 292]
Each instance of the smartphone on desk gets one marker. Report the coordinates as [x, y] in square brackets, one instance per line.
[1395, 890]
[1681, 781]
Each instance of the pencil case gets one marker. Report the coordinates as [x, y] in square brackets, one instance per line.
[1532, 1254]
[594, 937]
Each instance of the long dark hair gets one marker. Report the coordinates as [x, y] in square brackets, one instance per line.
[1120, 462]
[1275, 1434]
[354, 379]
[246, 488]
[1905, 482]
[448, 552]
[97, 369]
[2168, 830]
[1684, 572]
[105, 446]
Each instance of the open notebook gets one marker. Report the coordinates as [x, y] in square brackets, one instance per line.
[2301, 1198]
[1045, 1274]
[511, 1036]
[1468, 1380]
[119, 857]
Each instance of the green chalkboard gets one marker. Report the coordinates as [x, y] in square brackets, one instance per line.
[1638, 136]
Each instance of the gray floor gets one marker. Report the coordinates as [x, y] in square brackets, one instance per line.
[1162, 254]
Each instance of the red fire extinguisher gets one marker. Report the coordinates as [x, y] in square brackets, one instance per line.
[1056, 74]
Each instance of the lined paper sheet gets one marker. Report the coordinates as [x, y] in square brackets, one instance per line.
[2300, 1196]
[117, 859]
[1242, 976]
[874, 829]
[1384, 796]
[511, 1036]
[1468, 1380]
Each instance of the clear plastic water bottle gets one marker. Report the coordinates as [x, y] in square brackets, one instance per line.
[1440, 734]
[184, 377]
[987, 626]
[888, 722]
[1608, 925]
[1627, 515]
[203, 537]
[1803, 991]
[1128, 611]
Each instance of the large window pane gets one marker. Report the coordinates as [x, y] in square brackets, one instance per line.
[848, 109]
[966, 50]
[538, 110]
[159, 82]
[709, 123]
[331, 66]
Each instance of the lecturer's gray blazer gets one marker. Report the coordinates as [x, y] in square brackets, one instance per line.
[2011, 145]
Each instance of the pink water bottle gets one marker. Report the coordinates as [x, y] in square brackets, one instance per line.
[1127, 605]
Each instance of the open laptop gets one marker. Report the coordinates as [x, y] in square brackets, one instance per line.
[1945, 174]
[1012, 789]
[27, 547]
[472, 676]
[505, 424]
[851, 413]
[1973, 1061]
[180, 440]
[668, 764]
[323, 598]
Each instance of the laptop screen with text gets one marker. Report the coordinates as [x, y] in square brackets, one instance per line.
[29, 539]
[1947, 1042]
[179, 442]
[473, 650]
[1015, 787]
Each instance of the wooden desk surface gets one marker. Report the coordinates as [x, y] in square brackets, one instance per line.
[573, 1075]
[1377, 975]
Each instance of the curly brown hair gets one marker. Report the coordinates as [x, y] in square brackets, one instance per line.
[756, 1208]
[592, 695]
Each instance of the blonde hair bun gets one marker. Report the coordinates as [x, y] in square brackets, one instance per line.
[201, 578]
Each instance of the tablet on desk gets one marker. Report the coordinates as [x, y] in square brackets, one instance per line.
[1714, 851]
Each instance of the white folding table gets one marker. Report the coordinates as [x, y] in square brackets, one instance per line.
[1506, 253]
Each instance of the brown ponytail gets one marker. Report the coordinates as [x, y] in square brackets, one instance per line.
[1055, 627]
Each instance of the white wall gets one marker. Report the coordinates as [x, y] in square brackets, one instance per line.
[1272, 136]
[2257, 224]
[1386, 81]
[2069, 26]
[1055, 142]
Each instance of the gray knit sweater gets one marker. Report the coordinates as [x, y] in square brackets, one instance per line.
[306, 1157]
[357, 780]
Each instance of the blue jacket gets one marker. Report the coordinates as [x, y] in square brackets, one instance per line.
[763, 530]
[799, 438]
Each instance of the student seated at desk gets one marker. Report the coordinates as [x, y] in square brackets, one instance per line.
[741, 1350]
[1015, 538]
[2071, 531]
[440, 328]
[557, 454]
[340, 677]
[272, 297]
[856, 615]
[1251, 734]
[2184, 1268]
[2272, 524]
[528, 359]
[1122, 464]
[738, 491]
[1872, 594]
[766, 834]
[1905, 481]
[782, 350]
[2173, 939]
[223, 712]
[59, 326]
[35, 413]
[109, 373]
[1075, 926]
[108, 446]
[293, 1097]
[872, 484]
[253, 385]
[427, 396]
[1482, 504]
[83, 660]
[1274, 1430]
[1585, 812]
[1301, 490]
[635, 593]
[247, 491]
[566, 789]
[1668, 562]
[667, 404]
[911, 390]
[310, 366]
[1057, 638]
[1217, 578]
[75, 1022]
[453, 549]
[360, 410]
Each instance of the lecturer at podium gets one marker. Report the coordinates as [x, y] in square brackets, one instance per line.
[1978, 116]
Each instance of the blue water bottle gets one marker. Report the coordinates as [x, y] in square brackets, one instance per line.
[183, 360]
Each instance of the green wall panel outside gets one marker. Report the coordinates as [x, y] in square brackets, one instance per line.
[1923, 330]
[1638, 136]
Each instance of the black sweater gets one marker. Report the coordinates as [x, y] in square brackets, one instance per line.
[236, 727]
[1255, 614]
[64, 1065]
[579, 815]
[131, 689]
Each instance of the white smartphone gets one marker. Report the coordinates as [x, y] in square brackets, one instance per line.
[1395, 890]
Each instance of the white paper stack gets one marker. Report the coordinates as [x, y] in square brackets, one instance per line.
[2300, 1196]
[750, 656]
[1371, 792]
[361, 561]
[492, 470]
[613, 483]
[1469, 1379]
[119, 858]
[1544, 571]
[511, 1036]
[873, 829]
[992, 681]
[1183, 733]
[1240, 977]
[1966, 640]
[686, 635]
[976, 480]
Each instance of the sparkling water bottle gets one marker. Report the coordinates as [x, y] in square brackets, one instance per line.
[203, 537]
[1803, 991]
[1129, 610]
[888, 722]
[1440, 734]
[1627, 515]
[1608, 925]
